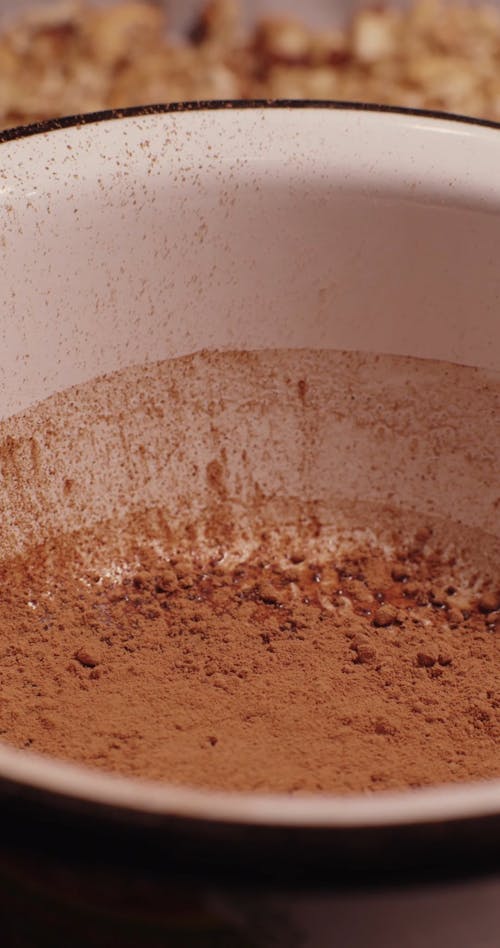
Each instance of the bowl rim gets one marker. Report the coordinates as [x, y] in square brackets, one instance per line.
[205, 105]
[32, 772]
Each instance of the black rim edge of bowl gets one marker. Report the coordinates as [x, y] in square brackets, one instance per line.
[91, 118]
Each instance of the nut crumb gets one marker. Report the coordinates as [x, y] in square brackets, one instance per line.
[489, 601]
[426, 660]
[385, 615]
[86, 658]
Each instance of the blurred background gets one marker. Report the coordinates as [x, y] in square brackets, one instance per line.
[67, 57]
[181, 13]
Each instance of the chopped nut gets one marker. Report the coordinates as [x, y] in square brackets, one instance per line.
[385, 615]
[425, 660]
[383, 727]
[283, 38]
[268, 594]
[438, 598]
[444, 659]
[358, 591]
[455, 616]
[218, 23]
[422, 535]
[365, 653]
[86, 658]
[489, 602]
[373, 35]
[113, 34]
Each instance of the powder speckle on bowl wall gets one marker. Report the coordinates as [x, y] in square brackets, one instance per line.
[238, 635]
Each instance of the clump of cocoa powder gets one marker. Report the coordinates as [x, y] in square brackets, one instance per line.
[354, 671]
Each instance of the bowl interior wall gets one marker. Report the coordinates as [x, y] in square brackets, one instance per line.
[146, 240]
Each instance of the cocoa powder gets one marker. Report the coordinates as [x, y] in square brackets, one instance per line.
[282, 670]
[272, 570]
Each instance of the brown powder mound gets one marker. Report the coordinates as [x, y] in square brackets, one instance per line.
[354, 672]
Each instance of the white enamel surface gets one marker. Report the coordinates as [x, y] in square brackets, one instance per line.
[145, 238]
[152, 237]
